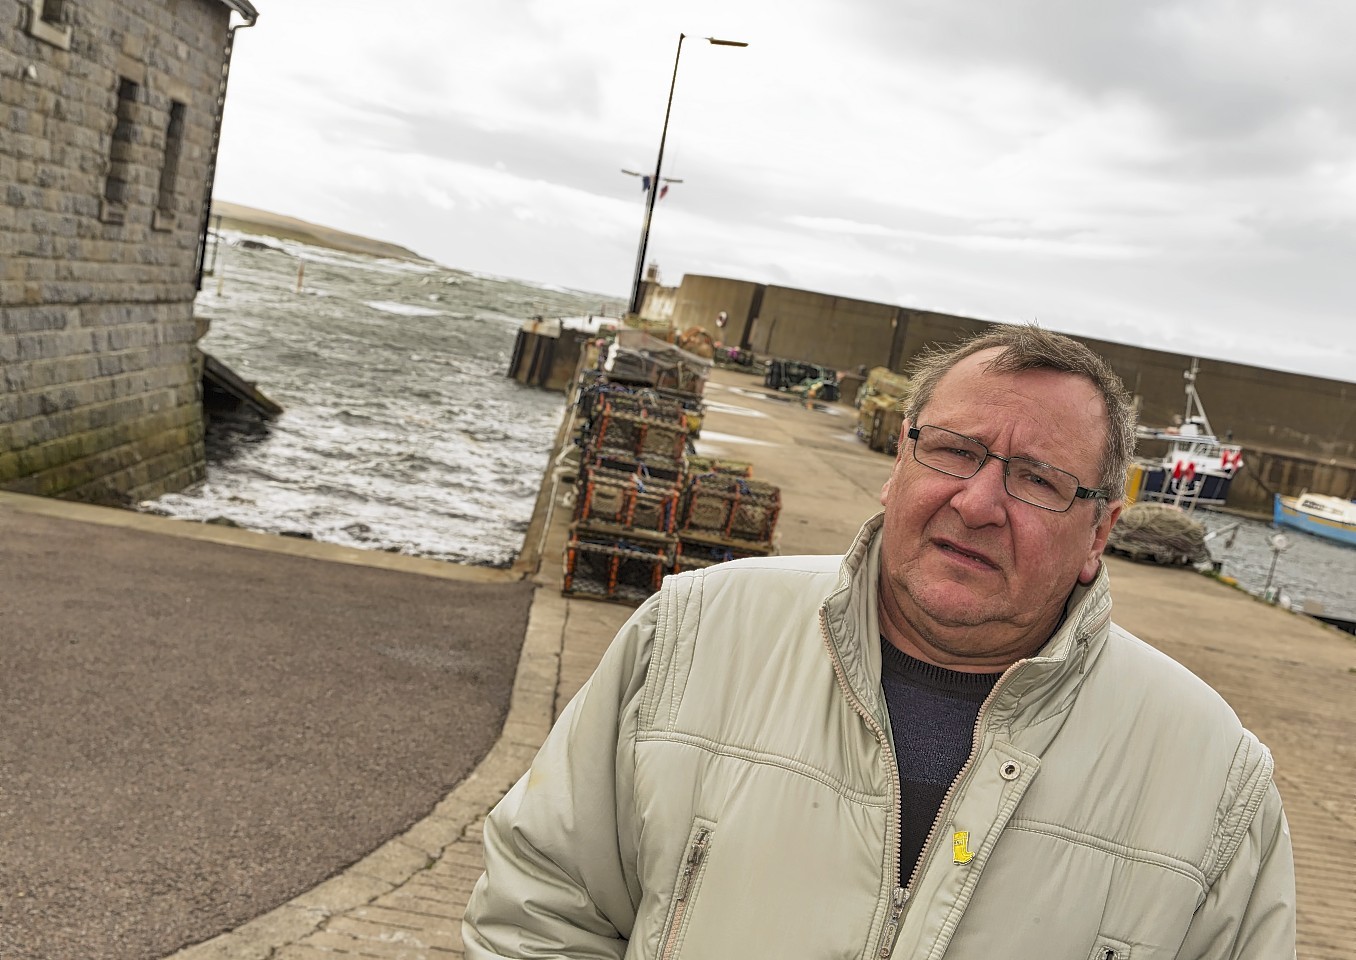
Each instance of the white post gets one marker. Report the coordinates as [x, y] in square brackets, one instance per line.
[221, 270]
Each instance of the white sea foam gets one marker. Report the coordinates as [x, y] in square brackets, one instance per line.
[403, 309]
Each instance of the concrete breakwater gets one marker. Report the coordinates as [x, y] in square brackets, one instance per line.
[1296, 430]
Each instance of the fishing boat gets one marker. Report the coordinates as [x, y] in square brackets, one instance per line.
[1197, 468]
[1331, 518]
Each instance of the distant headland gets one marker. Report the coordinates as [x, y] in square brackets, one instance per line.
[235, 216]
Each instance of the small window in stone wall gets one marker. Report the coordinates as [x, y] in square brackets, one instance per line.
[50, 22]
[120, 153]
[163, 219]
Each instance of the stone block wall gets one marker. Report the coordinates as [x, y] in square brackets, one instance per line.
[108, 110]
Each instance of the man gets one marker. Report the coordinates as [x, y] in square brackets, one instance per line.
[935, 745]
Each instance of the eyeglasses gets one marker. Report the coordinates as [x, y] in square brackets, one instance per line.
[1030, 481]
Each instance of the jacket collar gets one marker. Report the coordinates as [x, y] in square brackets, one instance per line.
[1044, 681]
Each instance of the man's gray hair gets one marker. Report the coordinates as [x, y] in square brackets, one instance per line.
[1028, 347]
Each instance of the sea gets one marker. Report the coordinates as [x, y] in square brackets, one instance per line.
[1296, 569]
[402, 431]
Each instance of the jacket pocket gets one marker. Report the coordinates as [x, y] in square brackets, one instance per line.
[685, 887]
[1107, 948]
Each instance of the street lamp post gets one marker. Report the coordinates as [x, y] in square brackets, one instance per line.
[653, 192]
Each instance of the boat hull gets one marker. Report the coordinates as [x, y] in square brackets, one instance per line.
[1156, 484]
[1285, 513]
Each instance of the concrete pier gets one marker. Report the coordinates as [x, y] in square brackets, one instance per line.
[1291, 679]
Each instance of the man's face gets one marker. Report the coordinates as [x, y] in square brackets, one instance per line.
[970, 576]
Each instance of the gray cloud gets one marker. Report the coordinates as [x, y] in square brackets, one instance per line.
[1210, 70]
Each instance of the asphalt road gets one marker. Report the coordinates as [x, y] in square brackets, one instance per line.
[193, 733]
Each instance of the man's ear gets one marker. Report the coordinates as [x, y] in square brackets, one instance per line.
[899, 463]
[1097, 542]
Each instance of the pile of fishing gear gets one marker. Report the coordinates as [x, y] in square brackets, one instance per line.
[1159, 533]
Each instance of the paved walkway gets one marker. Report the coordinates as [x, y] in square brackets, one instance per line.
[1292, 680]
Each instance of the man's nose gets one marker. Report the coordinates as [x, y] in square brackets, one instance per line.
[982, 500]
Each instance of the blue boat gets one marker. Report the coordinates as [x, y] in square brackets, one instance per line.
[1331, 518]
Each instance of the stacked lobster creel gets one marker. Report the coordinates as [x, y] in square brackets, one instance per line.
[644, 507]
[725, 516]
[628, 494]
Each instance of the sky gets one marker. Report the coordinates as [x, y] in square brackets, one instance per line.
[1178, 174]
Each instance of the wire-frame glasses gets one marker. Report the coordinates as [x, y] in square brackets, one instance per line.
[1029, 481]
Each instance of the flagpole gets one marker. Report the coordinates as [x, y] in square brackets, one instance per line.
[653, 192]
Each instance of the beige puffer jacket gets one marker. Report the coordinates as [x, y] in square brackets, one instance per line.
[725, 786]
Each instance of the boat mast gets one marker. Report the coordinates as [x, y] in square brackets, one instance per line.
[1194, 406]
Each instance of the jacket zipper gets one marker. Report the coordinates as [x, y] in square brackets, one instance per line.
[899, 896]
[891, 931]
[974, 750]
[951, 790]
[696, 853]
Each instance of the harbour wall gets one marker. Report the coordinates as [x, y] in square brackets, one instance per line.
[1298, 431]
[109, 110]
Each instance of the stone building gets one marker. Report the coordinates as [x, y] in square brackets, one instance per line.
[110, 112]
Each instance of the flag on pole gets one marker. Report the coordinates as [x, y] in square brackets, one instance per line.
[645, 184]
[663, 190]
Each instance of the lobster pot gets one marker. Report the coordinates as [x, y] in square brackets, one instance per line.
[596, 393]
[602, 568]
[639, 436]
[733, 468]
[666, 367]
[651, 404]
[670, 405]
[732, 507]
[623, 464]
[594, 390]
[630, 500]
[692, 555]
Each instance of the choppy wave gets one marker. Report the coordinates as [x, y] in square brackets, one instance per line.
[401, 431]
